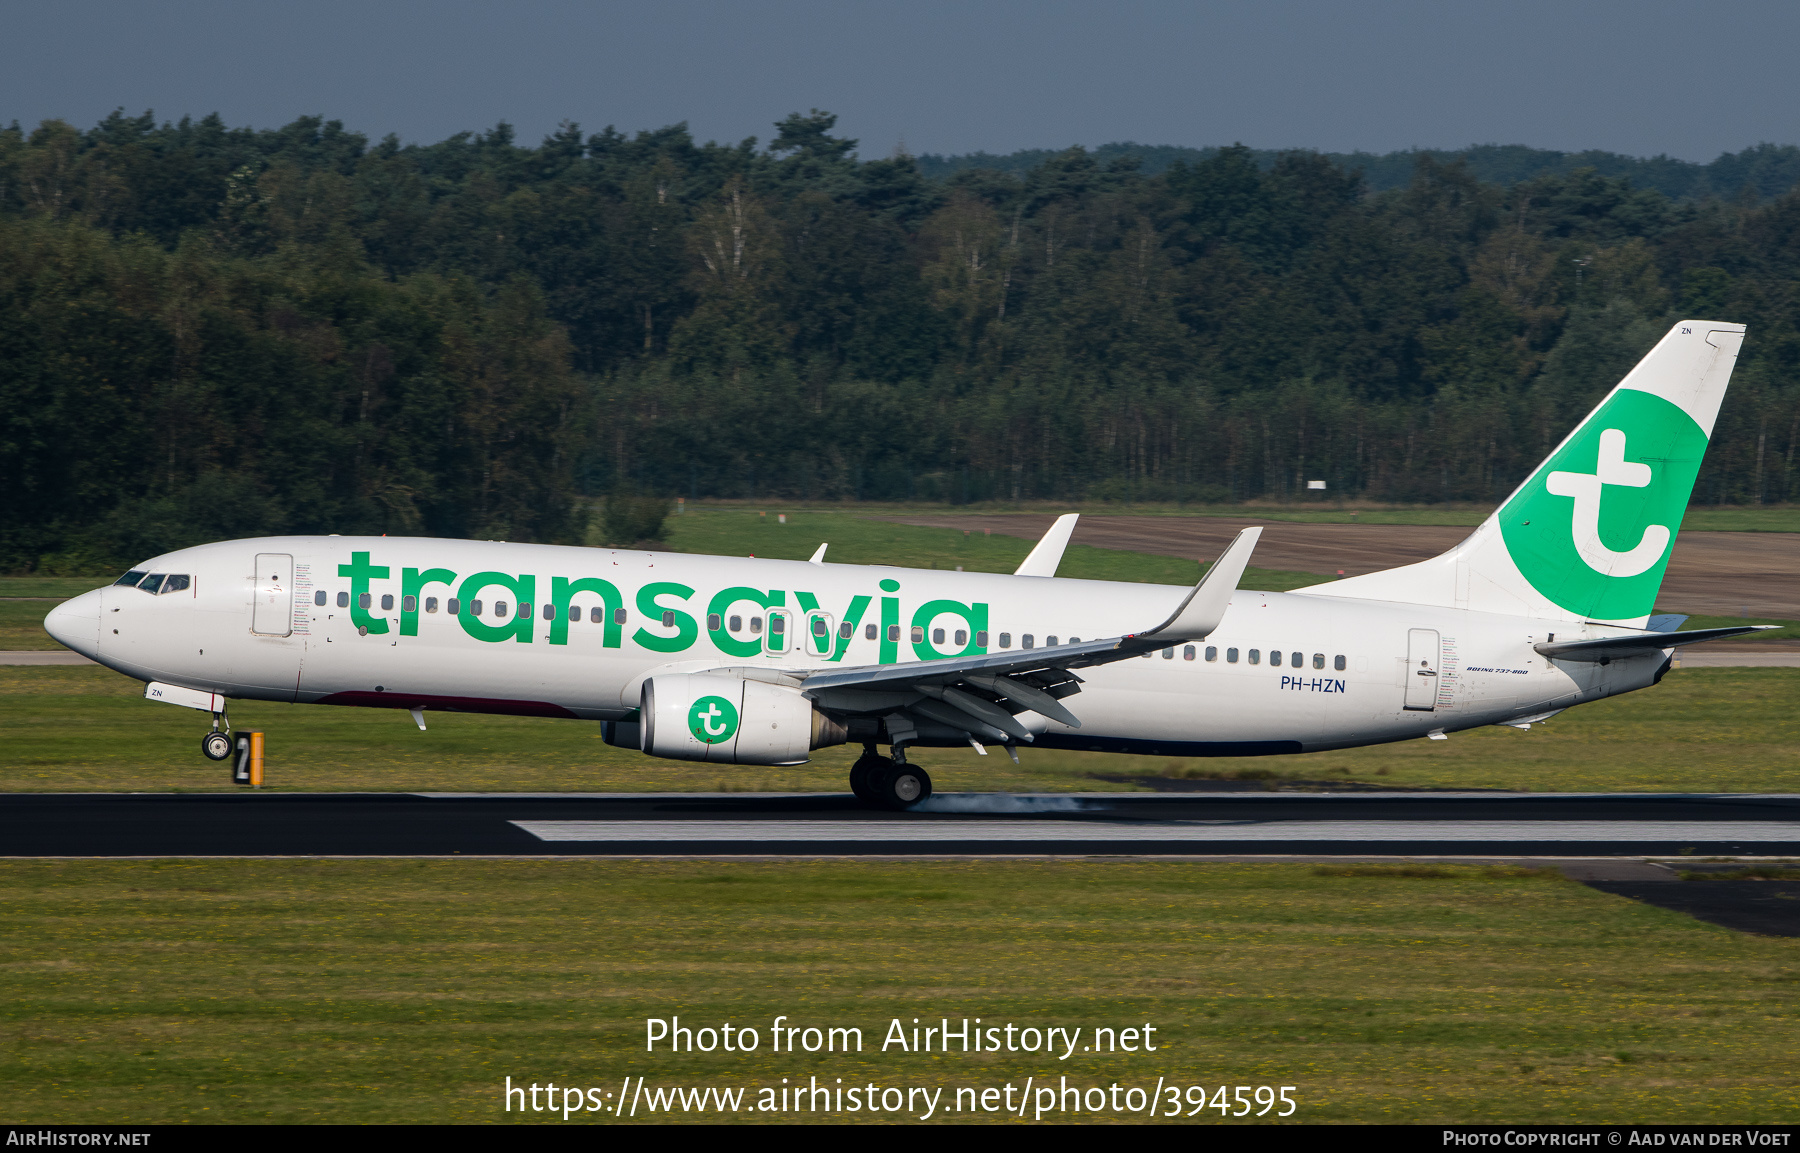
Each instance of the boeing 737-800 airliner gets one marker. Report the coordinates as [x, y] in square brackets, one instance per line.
[746, 661]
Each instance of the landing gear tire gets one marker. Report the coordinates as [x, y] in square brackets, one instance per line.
[900, 787]
[863, 774]
[216, 746]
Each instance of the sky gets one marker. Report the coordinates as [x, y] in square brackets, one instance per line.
[1640, 77]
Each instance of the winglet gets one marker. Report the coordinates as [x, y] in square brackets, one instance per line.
[1049, 551]
[1205, 607]
[819, 557]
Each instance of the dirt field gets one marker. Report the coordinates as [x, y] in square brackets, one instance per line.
[1717, 573]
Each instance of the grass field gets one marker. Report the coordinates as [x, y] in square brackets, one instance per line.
[76, 729]
[855, 538]
[1728, 518]
[22, 624]
[360, 991]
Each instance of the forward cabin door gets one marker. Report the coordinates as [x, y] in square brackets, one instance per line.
[272, 612]
[1421, 670]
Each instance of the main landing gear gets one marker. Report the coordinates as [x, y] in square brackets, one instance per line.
[885, 783]
[216, 744]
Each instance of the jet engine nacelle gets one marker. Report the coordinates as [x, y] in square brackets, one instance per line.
[731, 721]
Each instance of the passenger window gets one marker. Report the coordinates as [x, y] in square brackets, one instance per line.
[755, 625]
[453, 607]
[1006, 640]
[474, 608]
[1337, 662]
[937, 636]
[1274, 658]
[1231, 656]
[962, 637]
[918, 634]
[343, 600]
[500, 609]
[175, 584]
[870, 632]
[846, 631]
[669, 618]
[713, 622]
[550, 612]
[1212, 652]
[1255, 656]
[1187, 653]
[1297, 659]
[1074, 640]
[1169, 654]
[364, 601]
[131, 578]
[1318, 660]
[431, 604]
[893, 634]
[387, 603]
[1025, 642]
[319, 598]
[981, 639]
[152, 583]
[737, 624]
[819, 629]
[524, 609]
[410, 605]
[1050, 641]
[777, 624]
[597, 616]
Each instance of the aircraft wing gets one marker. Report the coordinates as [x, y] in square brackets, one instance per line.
[1618, 648]
[981, 695]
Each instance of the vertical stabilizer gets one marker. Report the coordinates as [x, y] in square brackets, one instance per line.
[1589, 533]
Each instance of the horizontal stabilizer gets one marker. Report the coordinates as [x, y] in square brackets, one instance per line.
[1618, 648]
[1048, 552]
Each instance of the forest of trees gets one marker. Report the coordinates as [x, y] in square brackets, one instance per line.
[210, 332]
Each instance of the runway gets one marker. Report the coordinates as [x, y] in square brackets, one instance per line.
[968, 824]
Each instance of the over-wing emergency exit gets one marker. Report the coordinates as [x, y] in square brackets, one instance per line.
[737, 660]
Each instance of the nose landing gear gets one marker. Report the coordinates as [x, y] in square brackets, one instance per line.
[893, 784]
[216, 745]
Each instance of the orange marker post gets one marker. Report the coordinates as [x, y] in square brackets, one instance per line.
[247, 766]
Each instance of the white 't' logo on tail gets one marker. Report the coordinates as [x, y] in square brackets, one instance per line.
[1586, 488]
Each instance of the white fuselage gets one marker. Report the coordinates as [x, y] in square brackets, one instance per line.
[1368, 671]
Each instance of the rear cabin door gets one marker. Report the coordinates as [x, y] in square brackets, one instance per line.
[272, 612]
[1421, 670]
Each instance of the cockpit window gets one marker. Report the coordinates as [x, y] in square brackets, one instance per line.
[152, 584]
[177, 582]
[130, 578]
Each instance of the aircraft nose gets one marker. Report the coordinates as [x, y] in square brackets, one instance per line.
[75, 623]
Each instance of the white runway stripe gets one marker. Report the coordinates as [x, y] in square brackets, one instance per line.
[1388, 831]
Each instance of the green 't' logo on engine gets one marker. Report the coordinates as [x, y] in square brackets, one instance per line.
[713, 720]
[1592, 528]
